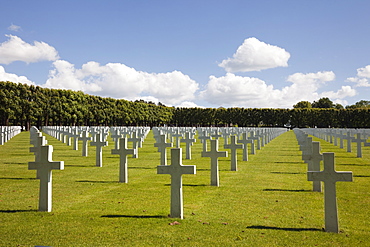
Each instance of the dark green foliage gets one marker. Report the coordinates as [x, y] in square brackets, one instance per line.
[25, 105]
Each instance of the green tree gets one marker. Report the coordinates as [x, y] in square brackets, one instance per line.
[359, 104]
[303, 104]
[323, 103]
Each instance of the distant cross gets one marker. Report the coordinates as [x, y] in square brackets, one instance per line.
[36, 150]
[188, 141]
[135, 144]
[313, 159]
[44, 166]
[216, 135]
[341, 138]
[123, 151]
[253, 147]
[214, 154]
[99, 144]
[75, 137]
[233, 154]
[162, 145]
[176, 170]
[245, 141]
[349, 138]
[358, 142]
[67, 134]
[116, 137]
[85, 138]
[329, 176]
[177, 136]
[204, 137]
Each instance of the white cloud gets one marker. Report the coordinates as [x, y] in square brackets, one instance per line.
[364, 72]
[15, 49]
[13, 77]
[120, 81]
[232, 90]
[14, 28]
[345, 91]
[255, 55]
[362, 77]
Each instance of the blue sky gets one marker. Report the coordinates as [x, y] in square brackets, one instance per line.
[191, 53]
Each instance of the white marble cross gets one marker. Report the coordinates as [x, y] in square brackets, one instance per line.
[204, 137]
[44, 166]
[177, 136]
[245, 142]
[75, 135]
[349, 138]
[162, 145]
[123, 151]
[85, 138]
[115, 135]
[233, 154]
[313, 159]
[176, 170]
[99, 144]
[135, 144]
[358, 142]
[214, 154]
[329, 176]
[36, 150]
[188, 141]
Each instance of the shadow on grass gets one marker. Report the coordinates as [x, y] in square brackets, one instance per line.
[285, 228]
[103, 182]
[191, 185]
[204, 169]
[287, 190]
[15, 163]
[137, 167]
[134, 216]
[352, 164]
[18, 211]
[20, 178]
[362, 176]
[288, 162]
[79, 166]
[288, 172]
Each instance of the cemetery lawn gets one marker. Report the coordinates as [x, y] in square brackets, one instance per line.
[267, 202]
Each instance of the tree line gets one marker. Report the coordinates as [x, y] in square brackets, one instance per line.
[28, 105]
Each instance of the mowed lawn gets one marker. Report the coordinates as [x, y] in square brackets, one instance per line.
[267, 202]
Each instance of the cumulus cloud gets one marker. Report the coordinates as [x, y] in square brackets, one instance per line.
[120, 81]
[255, 55]
[232, 90]
[13, 77]
[15, 49]
[362, 77]
[14, 28]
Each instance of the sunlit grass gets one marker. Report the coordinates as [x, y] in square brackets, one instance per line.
[267, 202]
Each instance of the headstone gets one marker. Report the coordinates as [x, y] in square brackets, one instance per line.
[123, 151]
[214, 154]
[162, 145]
[358, 142]
[75, 135]
[329, 176]
[45, 166]
[176, 170]
[99, 144]
[314, 159]
[135, 144]
[85, 138]
[188, 141]
[245, 142]
[233, 154]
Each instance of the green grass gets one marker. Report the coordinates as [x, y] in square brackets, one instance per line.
[267, 202]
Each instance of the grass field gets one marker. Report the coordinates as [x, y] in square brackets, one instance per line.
[267, 202]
